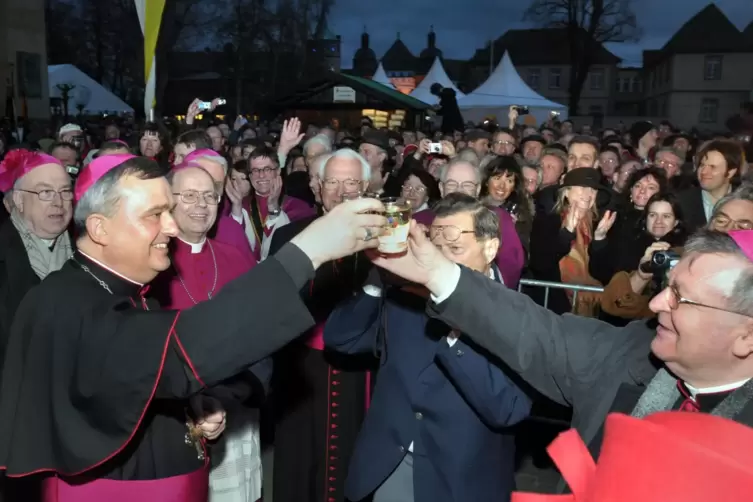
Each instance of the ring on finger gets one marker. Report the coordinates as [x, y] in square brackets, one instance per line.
[369, 234]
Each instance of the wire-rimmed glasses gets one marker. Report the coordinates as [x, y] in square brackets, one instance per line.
[66, 194]
[192, 197]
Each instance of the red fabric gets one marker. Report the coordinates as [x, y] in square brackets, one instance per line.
[665, 457]
[19, 162]
[316, 339]
[744, 239]
[192, 487]
[688, 404]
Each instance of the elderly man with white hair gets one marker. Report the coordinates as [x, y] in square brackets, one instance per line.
[226, 229]
[336, 389]
[316, 146]
[34, 241]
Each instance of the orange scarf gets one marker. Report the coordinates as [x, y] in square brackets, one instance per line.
[574, 270]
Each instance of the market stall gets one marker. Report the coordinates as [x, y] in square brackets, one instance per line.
[347, 99]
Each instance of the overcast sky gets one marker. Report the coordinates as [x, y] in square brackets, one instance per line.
[468, 26]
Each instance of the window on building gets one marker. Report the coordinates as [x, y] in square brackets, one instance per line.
[626, 84]
[597, 79]
[712, 68]
[709, 111]
[534, 78]
[618, 84]
[636, 84]
[555, 78]
[595, 110]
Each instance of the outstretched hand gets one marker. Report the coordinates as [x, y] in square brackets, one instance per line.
[349, 227]
[423, 263]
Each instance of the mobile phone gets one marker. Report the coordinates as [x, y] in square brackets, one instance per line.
[206, 105]
[435, 147]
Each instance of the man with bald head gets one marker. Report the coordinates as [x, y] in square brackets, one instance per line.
[302, 438]
[464, 176]
[201, 266]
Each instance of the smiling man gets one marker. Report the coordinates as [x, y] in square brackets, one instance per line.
[704, 339]
[98, 378]
[267, 208]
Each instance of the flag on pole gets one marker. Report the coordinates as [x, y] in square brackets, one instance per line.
[150, 18]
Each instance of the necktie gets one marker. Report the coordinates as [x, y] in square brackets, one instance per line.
[688, 404]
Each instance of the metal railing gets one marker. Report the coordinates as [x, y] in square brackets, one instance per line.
[575, 288]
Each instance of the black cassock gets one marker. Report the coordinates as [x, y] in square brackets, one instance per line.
[95, 386]
[319, 396]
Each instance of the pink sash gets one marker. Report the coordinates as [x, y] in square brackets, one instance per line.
[192, 487]
[316, 339]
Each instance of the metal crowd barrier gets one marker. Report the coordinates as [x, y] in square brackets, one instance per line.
[575, 288]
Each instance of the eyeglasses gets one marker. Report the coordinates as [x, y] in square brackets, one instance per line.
[675, 300]
[724, 221]
[451, 233]
[415, 190]
[466, 186]
[503, 142]
[349, 185]
[263, 170]
[192, 197]
[47, 195]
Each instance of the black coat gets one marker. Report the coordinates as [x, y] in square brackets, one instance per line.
[16, 279]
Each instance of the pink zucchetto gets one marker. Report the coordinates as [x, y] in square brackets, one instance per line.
[19, 162]
[744, 239]
[95, 170]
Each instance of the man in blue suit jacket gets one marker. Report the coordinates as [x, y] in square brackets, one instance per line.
[438, 426]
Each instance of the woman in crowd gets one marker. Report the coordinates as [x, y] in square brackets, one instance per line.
[154, 143]
[617, 249]
[560, 241]
[504, 186]
[295, 162]
[420, 189]
[662, 229]
[435, 162]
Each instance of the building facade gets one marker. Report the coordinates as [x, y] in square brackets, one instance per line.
[23, 61]
[702, 75]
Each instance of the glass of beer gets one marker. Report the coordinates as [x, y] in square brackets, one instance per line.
[351, 196]
[393, 240]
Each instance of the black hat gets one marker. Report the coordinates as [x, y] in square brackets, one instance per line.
[377, 138]
[583, 177]
[533, 137]
[640, 129]
[477, 134]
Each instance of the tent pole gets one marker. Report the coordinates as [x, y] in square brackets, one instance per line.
[491, 56]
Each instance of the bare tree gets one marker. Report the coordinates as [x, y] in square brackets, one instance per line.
[589, 24]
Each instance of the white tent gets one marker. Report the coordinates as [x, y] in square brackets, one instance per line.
[504, 88]
[87, 92]
[381, 77]
[436, 75]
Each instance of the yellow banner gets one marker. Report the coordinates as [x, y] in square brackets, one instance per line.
[152, 19]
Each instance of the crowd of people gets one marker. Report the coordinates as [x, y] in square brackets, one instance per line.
[171, 304]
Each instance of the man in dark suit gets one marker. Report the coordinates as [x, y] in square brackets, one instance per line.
[702, 347]
[719, 164]
[437, 429]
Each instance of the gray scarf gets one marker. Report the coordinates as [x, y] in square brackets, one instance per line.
[662, 393]
[42, 259]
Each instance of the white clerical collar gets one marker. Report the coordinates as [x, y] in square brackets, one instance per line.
[195, 248]
[110, 270]
[715, 390]
[422, 208]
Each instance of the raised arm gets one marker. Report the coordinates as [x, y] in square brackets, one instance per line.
[554, 354]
